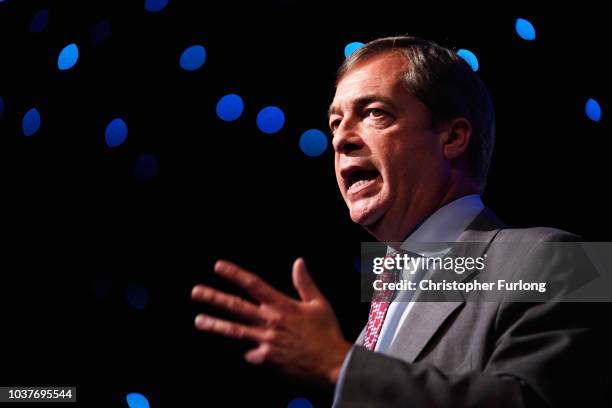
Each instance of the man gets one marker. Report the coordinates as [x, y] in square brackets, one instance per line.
[413, 131]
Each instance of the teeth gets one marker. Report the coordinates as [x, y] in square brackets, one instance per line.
[359, 183]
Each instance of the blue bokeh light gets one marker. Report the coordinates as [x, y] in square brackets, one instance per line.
[31, 122]
[230, 107]
[351, 48]
[525, 29]
[153, 6]
[193, 58]
[40, 21]
[1, 106]
[137, 400]
[470, 58]
[313, 142]
[116, 132]
[137, 296]
[270, 119]
[147, 168]
[100, 32]
[593, 110]
[299, 403]
[68, 57]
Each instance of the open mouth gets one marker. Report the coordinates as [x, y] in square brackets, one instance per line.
[359, 179]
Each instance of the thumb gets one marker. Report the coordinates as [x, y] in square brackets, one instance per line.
[303, 282]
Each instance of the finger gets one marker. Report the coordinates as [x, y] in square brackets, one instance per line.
[259, 354]
[229, 329]
[231, 303]
[303, 282]
[250, 282]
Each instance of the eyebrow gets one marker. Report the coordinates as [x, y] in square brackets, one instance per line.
[363, 101]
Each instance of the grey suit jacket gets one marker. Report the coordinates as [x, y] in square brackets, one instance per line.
[487, 354]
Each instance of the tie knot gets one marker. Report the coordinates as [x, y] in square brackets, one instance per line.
[389, 274]
[390, 270]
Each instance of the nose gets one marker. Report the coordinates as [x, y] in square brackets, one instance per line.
[347, 139]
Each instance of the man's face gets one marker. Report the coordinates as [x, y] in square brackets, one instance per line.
[388, 160]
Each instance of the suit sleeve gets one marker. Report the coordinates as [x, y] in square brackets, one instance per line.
[376, 380]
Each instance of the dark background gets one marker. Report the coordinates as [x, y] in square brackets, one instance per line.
[79, 232]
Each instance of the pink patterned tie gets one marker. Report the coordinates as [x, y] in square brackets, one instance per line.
[379, 307]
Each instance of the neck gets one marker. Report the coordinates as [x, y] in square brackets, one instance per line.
[396, 230]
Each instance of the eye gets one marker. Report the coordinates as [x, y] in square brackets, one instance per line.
[334, 124]
[376, 112]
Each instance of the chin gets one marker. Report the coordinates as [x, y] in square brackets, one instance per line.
[365, 217]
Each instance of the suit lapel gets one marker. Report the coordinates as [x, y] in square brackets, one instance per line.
[420, 325]
[361, 336]
[425, 318]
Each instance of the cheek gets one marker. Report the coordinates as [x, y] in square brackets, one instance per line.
[401, 166]
[394, 161]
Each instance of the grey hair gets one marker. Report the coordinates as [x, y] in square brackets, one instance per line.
[447, 86]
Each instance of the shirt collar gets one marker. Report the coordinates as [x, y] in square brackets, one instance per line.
[444, 225]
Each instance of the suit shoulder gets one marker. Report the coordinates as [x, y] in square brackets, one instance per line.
[535, 235]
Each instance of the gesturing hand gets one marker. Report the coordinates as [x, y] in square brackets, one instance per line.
[302, 337]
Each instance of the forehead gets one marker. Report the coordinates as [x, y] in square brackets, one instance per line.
[381, 74]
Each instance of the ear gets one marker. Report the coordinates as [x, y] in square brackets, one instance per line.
[457, 137]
